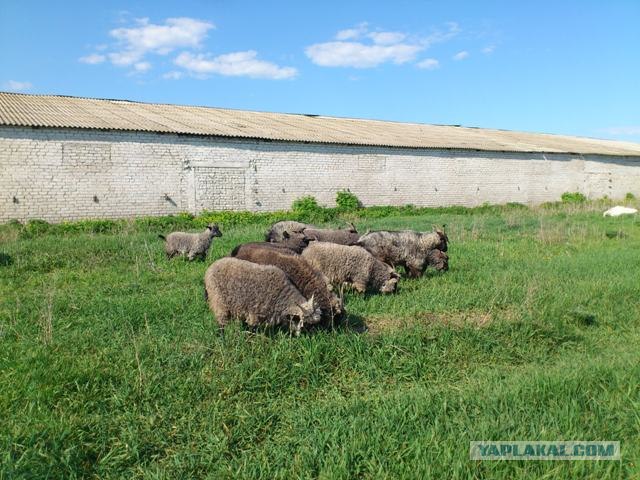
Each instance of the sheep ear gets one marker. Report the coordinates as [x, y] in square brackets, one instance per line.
[285, 234]
[308, 305]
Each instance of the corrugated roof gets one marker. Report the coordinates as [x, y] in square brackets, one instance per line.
[74, 112]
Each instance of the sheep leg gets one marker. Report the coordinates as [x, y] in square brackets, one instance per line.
[360, 285]
[253, 320]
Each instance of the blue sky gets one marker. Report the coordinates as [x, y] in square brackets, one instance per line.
[568, 67]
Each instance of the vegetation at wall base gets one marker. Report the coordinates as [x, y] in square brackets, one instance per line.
[111, 365]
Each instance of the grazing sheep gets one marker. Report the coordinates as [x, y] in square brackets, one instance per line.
[277, 230]
[257, 294]
[346, 236]
[405, 248]
[438, 260]
[304, 277]
[192, 244]
[351, 264]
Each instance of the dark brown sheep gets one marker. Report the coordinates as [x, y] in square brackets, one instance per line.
[345, 236]
[257, 294]
[304, 277]
[405, 248]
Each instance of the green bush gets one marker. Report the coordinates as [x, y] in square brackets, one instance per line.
[306, 205]
[629, 196]
[307, 209]
[35, 227]
[573, 197]
[347, 201]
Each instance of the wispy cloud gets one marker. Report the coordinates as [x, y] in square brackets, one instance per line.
[461, 55]
[352, 33]
[488, 49]
[142, 67]
[629, 130]
[92, 59]
[160, 39]
[236, 64]
[428, 64]
[359, 47]
[15, 86]
[133, 44]
[173, 75]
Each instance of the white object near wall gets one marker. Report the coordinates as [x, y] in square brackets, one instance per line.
[619, 210]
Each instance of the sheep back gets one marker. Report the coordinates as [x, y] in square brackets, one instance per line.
[304, 277]
[258, 294]
[351, 264]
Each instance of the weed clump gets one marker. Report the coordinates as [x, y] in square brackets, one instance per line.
[347, 201]
[573, 197]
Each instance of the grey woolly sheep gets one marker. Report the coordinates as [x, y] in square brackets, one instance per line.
[257, 294]
[351, 264]
[191, 244]
[405, 248]
[276, 232]
[346, 236]
[304, 277]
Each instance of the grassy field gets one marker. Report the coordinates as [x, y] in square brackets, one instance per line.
[111, 365]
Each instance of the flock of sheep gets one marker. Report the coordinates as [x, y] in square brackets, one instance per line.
[291, 278]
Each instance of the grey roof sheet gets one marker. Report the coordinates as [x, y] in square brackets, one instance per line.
[74, 112]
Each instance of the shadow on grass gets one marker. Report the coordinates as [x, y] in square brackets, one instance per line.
[5, 259]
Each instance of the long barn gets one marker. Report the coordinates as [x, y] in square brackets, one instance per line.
[65, 158]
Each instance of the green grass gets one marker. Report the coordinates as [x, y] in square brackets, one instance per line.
[111, 365]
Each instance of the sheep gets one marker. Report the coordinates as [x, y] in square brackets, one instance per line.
[192, 244]
[276, 232]
[438, 260]
[406, 248]
[347, 236]
[304, 277]
[257, 294]
[351, 264]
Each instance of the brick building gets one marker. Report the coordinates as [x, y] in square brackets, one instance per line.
[64, 158]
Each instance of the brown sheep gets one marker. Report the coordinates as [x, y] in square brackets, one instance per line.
[346, 236]
[304, 277]
[257, 294]
[351, 264]
[406, 248]
[277, 230]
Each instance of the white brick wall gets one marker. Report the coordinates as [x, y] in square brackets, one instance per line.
[65, 174]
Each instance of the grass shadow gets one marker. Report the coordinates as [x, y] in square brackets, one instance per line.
[5, 259]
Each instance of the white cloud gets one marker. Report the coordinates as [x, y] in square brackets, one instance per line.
[439, 36]
[236, 64]
[124, 59]
[352, 33]
[489, 49]
[15, 86]
[461, 55]
[161, 39]
[141, 67]
[173, 75]
[623, 130]
[428, 64]
[359, 55]
[133, 44]
[387, 38]
[92, 59]
[359, 48]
